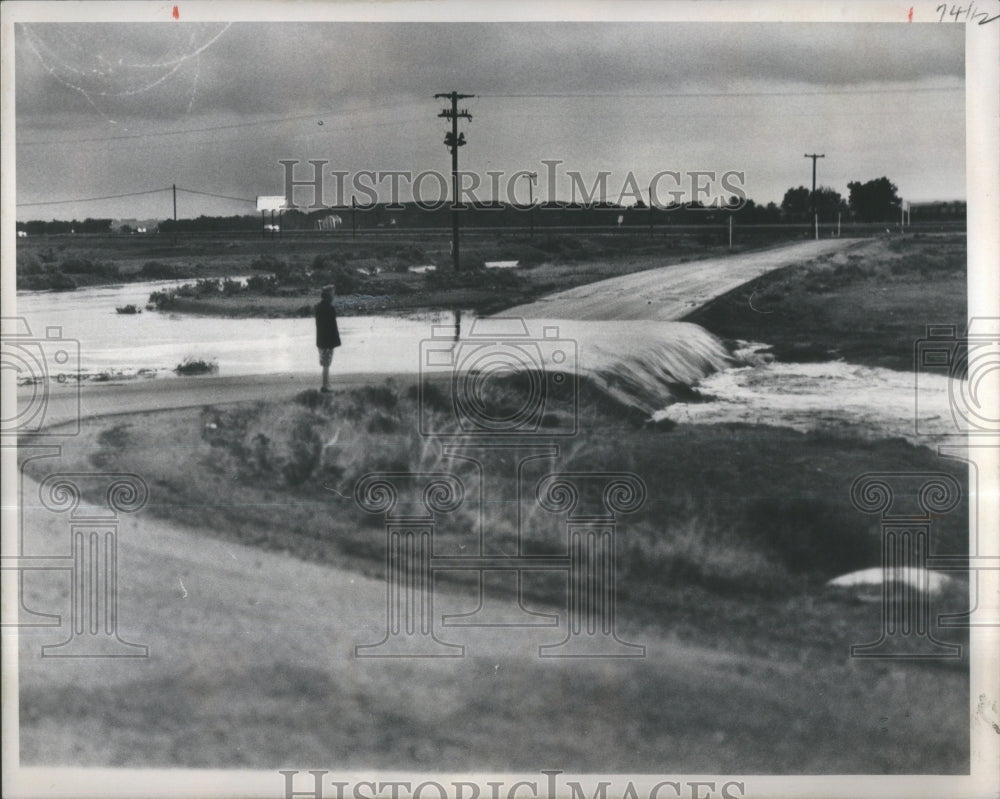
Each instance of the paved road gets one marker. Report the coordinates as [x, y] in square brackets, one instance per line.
[64, 404]
[672, 292]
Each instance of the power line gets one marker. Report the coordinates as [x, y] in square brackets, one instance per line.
[220, 196]
[137, 194]
[229, 126]
[94, 199]
[681, 95]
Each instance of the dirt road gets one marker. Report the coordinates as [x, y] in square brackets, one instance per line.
[670, 293]
[665, 294]
[252, 663]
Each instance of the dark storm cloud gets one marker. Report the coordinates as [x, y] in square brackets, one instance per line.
[157, 71]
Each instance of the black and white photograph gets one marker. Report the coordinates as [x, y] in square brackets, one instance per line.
[500, 401]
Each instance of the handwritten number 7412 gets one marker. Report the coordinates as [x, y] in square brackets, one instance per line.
[962, 14]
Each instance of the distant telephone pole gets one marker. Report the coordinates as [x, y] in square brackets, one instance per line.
[453, 140]
[812, 197]
[175, 203]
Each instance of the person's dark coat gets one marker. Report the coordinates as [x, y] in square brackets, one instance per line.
[327, 333]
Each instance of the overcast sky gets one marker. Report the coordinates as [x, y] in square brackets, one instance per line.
[106, 109]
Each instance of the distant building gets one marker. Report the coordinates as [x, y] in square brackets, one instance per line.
[134, 225]
[938, 211]
[331, 222]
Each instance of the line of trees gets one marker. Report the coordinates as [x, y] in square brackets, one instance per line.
[873, 201]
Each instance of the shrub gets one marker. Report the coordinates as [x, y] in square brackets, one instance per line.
[265, 284]
[77, 266]
[811, 535]
[161, 300]
[384, 396]
[156, 269]
[84, 266]
[305, 451]
[383, 423]
[56, 281]
[346, 280]
[268, 263]
[196, 366]
[28, 264]
[560, 246]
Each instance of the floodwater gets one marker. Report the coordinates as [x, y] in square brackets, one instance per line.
[643, 363]
[156, 340]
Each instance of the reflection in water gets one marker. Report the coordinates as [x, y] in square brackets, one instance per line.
[649, 365]
[160, 340]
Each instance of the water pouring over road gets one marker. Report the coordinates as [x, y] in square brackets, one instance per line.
[622, 333]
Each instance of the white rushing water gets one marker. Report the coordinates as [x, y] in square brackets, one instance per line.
[835, 396]
[649, 365]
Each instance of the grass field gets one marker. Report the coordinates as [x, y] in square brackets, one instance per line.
[868, 306]
[723, 569]
[370, 274]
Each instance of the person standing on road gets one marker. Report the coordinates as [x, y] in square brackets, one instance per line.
[327, 333]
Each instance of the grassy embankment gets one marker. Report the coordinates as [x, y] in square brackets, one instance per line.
[370, 275]
[868, 306]
[735, 512]
[742, 526]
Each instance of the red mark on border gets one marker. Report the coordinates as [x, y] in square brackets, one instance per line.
[909, 17]
[177, 14]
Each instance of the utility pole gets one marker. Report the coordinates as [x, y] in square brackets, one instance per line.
[175, 204]
[651, 234]
[812, 197]
[532, 177]
[453, 140]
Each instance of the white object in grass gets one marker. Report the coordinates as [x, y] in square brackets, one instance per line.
[867, 581]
